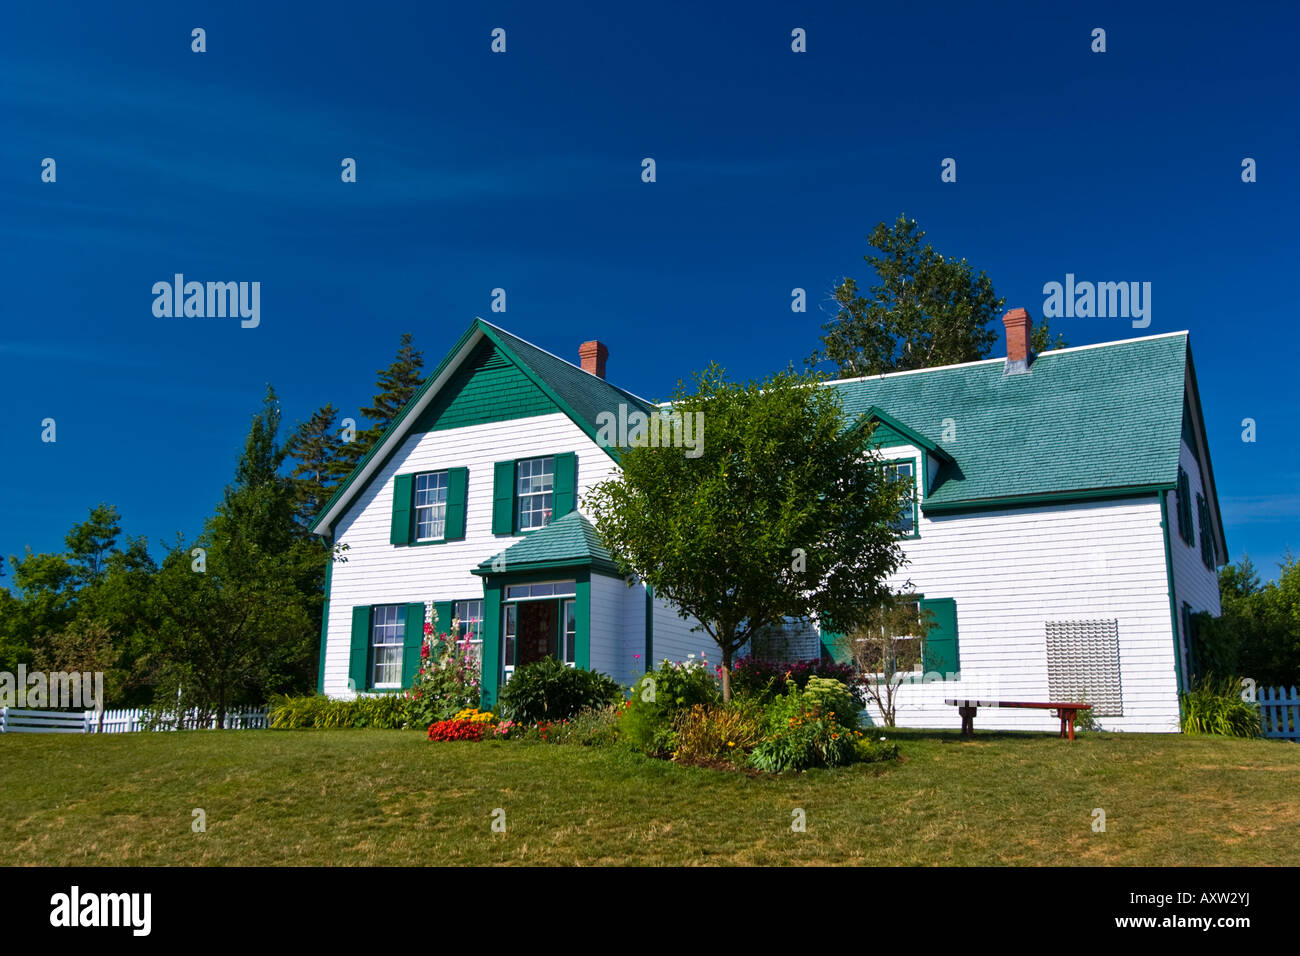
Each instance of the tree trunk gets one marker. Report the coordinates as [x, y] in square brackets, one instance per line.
[726, 673]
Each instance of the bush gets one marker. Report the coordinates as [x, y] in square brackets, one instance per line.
[1216, 707]
[646, 722]
[834, 698]
[766, 680]
[867, 750]
[292, 713]
[707, 733]
[798, 735]
[548, 690]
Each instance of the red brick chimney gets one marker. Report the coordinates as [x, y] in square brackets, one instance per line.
[1019, 326]
[593, 355]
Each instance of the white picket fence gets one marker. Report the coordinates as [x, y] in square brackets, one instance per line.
[120, 721]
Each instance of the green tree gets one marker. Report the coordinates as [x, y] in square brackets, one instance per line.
[396, 385]
[236, 621]
[784, 512]
[316, 451]
[925, 310]
[1258, 633]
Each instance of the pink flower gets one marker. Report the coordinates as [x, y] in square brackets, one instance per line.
[428, 628]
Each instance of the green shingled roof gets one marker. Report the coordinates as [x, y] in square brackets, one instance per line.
[1080, 420]
[585, 394]
[570, 540]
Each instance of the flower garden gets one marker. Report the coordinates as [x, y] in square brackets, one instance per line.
[789, 716]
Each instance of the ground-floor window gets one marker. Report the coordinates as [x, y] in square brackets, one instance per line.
[387, 631]
[539, 621]
[469, 625]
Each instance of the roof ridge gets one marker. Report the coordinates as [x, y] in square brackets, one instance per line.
[988, 361]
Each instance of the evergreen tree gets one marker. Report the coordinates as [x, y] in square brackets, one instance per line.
[316, 450]
[396, 385]
[925, 311]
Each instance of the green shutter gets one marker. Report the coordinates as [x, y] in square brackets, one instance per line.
[359, 664]
[457, 486]
[566, 485]
[940, 650]
[444, 610]
[400, 531]
[412, 638]
[503, 497]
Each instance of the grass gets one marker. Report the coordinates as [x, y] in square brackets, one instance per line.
[390, 797]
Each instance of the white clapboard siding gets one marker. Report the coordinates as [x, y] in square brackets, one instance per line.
[1010, 571]
[1194, 583]
[377, 572]
[609, 636]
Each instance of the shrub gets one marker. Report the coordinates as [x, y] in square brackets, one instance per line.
[834, 698]
[767, 679]
[1216, 707]
[646, 722]
[868, 750]
[797, 736]
[448, 680]
[292, 713]
[707, 733]
[548, 690]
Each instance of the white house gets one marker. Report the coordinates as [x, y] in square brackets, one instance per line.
[1063, 528]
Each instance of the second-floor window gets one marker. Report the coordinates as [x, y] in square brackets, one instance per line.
[431, 506]
[905, 522]
[535, 492]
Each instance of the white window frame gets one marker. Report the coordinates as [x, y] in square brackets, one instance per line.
[912, 502]
[394, 633]
[435, 489]
[471, 626]
[537, 475]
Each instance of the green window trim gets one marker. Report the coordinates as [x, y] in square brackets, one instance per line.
[916, 464]
[1207, 542]
[402, 528]
[505, 491]
[1186, 529]
[941, 650]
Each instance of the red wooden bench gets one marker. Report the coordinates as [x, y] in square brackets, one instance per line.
[1068, 712]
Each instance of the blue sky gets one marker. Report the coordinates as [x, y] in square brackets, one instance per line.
[522, 171]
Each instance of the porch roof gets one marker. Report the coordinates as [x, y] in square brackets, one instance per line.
[570, 541]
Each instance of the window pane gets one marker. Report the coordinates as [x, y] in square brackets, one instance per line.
[388, 629]
[534, 488]
[430, 506]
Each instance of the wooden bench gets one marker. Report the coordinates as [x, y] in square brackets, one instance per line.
[1067, 712]
[15, 721]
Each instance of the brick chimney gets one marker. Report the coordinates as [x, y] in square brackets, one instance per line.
[1019, 356]
[593, 355]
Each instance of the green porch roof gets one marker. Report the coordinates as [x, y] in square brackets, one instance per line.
[1089, 419]
[567, 541]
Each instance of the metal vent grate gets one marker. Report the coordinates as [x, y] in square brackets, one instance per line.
[1083, 664]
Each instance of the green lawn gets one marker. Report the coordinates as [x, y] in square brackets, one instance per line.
[391, 797]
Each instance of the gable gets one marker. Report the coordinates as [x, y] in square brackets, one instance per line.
[487, 387]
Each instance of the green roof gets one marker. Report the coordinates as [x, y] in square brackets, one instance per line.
[1090, 419]
[585, 394]
[570, 540]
